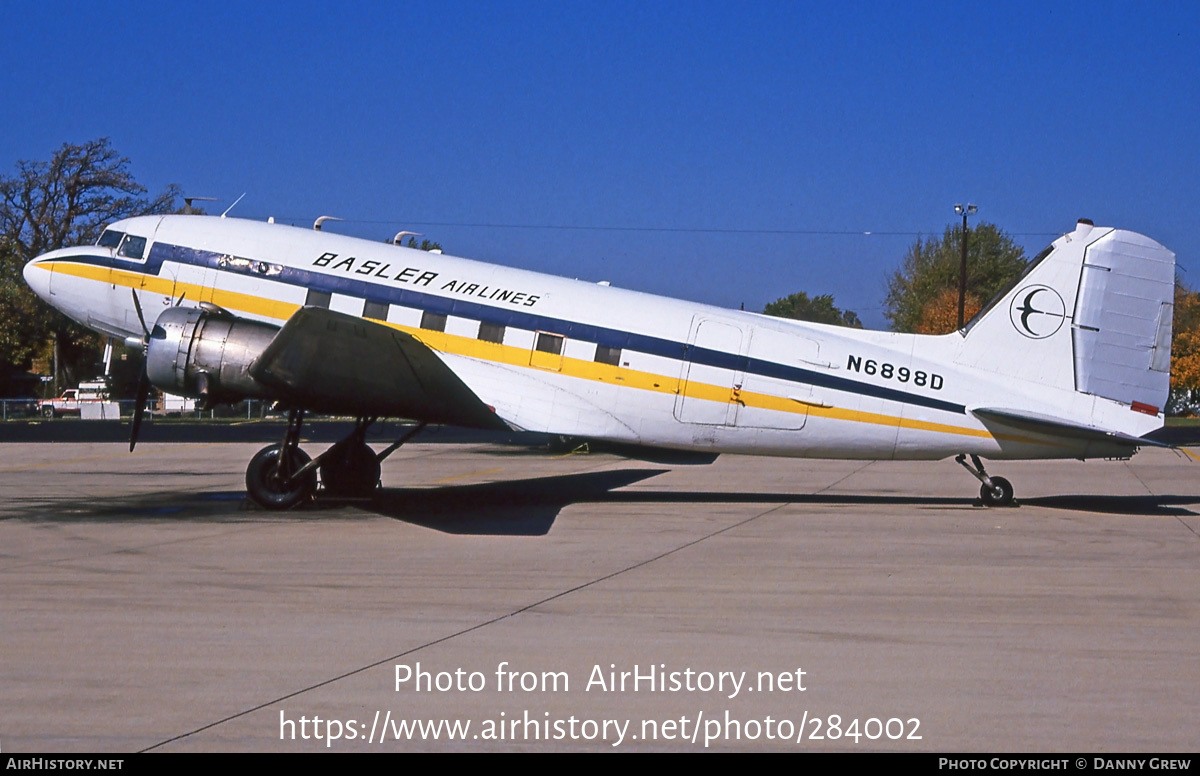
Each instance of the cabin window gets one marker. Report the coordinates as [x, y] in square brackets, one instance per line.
[376, 310]
[132, 247]
[318, 298]
[607, 355]
[491, 332]
[110, 239]
[549, 343]
[433, 321]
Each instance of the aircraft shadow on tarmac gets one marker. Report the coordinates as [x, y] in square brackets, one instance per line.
[529, 507]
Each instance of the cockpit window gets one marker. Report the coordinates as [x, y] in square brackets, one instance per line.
[133, 247]
[110, 239]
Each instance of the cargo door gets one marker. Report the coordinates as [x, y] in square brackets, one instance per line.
[712, 374]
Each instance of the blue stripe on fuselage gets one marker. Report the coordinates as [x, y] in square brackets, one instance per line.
[613, 338]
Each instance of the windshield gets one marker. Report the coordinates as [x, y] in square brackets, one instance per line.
[133, 247]
[110, 239]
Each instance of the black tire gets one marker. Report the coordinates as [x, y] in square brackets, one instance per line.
[265, 489]
[48, 413]
[990, 499]
[350, 470]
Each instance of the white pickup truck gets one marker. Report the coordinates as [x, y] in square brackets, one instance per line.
[72, 400]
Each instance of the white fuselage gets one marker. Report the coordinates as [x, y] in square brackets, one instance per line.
[582, 359]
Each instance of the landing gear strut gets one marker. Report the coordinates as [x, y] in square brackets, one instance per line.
[283, 476]
[994, 491]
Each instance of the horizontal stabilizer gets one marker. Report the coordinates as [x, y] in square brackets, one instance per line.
[330, 362]
[1044, 424]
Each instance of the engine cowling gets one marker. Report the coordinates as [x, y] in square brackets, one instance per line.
[207, 354]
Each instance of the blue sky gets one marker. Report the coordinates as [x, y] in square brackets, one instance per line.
[773, 124]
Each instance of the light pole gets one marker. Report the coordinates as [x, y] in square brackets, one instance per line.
[964, 211]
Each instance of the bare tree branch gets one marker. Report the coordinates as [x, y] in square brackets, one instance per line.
[67, 200]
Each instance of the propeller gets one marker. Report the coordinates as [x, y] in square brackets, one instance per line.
[143, 386]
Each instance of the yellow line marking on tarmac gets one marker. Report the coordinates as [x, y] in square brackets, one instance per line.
[582, 449]
[469, 474]
[1190, 454]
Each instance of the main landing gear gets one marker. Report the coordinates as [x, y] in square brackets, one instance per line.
[283, 476]
[350, 468]
[994, 491]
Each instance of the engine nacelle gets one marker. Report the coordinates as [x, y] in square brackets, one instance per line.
[207, 353]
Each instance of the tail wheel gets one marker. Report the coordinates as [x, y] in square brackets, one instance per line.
[350, 469]
[991, 498]
[269, 480]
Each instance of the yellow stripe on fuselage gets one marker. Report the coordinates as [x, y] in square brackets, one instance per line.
[520, 357]
[231, 300]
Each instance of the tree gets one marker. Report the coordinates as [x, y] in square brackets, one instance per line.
[818, 309]
[931, 267]
[424, 245]
[1185, 351]
[25, 321]
[940, 314]
[47, 205]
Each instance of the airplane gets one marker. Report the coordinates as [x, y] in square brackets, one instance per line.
[1072, 361]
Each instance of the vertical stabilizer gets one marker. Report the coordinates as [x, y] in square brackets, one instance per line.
[1092, 316]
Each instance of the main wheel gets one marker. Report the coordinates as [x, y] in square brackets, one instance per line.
[989, 497]
[265, 481]
[350, 470]
[48, 413]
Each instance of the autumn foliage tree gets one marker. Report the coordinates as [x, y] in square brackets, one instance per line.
[1185, 350]
[45, 205]
[940, 314]
[918, 292]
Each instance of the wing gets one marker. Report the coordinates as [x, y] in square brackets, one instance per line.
[334, 363]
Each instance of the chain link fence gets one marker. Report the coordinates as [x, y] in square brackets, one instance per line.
[29, 410]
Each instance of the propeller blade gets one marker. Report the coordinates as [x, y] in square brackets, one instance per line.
[143, 390]
[137, 306]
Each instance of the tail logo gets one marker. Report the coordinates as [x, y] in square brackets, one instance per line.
[1037, 311]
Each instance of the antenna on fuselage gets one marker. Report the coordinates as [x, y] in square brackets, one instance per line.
[401, 235]
[231, 207]
[321, 221]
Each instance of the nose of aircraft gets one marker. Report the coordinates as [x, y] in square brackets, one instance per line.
[37, 276]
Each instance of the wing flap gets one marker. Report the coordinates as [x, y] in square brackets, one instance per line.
[327, 361]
